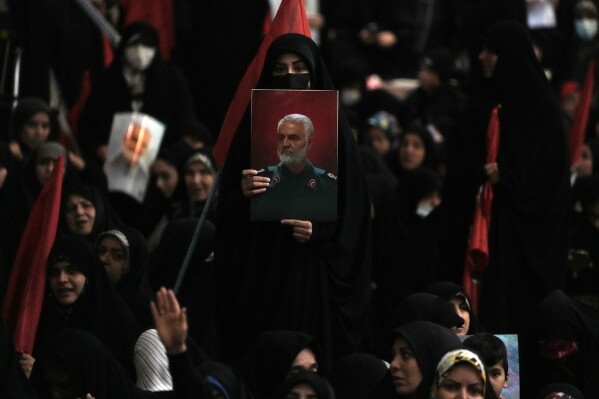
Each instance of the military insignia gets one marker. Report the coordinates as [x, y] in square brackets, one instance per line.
[261, 170]
[332, 176]
[312, 183]
[275, 180]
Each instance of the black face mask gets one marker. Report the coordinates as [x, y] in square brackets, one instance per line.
[291, 81]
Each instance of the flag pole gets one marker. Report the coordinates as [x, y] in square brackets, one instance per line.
[196, 234]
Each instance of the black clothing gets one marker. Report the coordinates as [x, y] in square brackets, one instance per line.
[134, 285]
[308, 195]
[418, 25]
[441, 108]
[226, 380]
[14, 213]
[361, 376]
[106, 217]
[269, 359]
[429, 342]
[447, 291]
[427, 307]
[98, 309]
[165, 97]
[26, 108]
[466, 155]
[322, 388]
[271, 280]
[13, 382]
[547, 353]
[531, 203]
[91, 368]
[197, 291]
[158, 210]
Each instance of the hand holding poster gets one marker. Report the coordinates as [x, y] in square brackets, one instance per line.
[294, 144]
[134, 142]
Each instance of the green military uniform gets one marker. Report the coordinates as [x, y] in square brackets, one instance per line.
[309, 195]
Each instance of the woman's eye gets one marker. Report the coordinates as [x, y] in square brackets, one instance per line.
[449, 386]
[475, 391]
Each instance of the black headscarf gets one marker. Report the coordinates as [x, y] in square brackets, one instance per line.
[361, 376]
[430, 151]
[106, 216]
[141, 32]
[134, 285]
[165, 97]
[447, 291]
[225, 379]
[98, 309]
[429, 342]
[25, 109]
[548, 354]
[428, 307]
[89, 364]
[269, 359]
[320, 288]
[156, 206]
[531, 202]
[307, 50]
[321, 387]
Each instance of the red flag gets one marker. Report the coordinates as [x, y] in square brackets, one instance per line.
[477, 255]
[25, 292]
[290, 18]
[579, 125]
[77, 108]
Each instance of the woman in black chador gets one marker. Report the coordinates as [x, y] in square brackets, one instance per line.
[137, 80]
[313, 279]
[530, 213]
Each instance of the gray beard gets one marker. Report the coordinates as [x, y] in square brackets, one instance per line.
[295, 159]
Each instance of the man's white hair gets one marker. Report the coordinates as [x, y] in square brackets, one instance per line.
[299, 118]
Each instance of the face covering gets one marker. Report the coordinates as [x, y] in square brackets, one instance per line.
[424, 209]
[291, 81]
[350, 97]
[139, 57]
[586, 28]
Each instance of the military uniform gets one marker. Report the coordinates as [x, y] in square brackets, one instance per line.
[309, 195]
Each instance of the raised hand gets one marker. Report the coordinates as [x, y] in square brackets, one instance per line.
[170, 320]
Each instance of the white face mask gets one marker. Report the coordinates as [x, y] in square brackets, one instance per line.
[586, 28]
[424, 209]
[350, 97]
[139, 57]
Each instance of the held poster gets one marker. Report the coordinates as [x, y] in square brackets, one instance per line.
[294, 144]
[134, 142]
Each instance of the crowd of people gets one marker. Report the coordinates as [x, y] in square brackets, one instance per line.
[369, 303]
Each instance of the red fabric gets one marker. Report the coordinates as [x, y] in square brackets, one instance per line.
[579, 125]
[477, 255]
[75, 111]
[267, 22]
[26, 286]
[159, 14]
[107, 50]
[290, 18]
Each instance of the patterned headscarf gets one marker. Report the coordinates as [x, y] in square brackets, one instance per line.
[453, 358]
